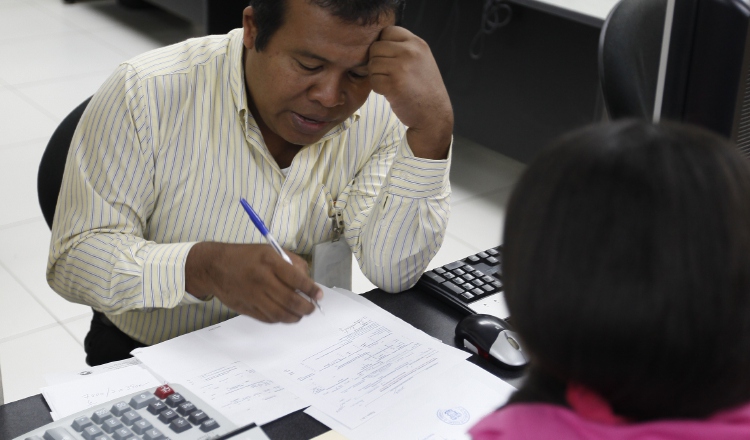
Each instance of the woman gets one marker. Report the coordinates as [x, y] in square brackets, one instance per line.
[627, 274]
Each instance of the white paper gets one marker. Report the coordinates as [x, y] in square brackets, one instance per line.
[67, 376]
[445, 410]
[73, 396]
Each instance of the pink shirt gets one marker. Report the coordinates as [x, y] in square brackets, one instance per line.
[536, 421]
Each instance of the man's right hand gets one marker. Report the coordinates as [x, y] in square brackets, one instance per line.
[252, 280]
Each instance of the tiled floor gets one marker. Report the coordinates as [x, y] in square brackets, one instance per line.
[54, 55]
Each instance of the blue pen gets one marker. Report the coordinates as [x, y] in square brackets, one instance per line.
[272, 241]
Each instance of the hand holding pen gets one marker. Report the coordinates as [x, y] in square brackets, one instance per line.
[272, 241]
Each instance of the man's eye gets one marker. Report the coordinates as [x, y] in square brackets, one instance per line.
[308, 68]
[356, 75]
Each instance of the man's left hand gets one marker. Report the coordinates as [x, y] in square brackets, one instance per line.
[403, 70]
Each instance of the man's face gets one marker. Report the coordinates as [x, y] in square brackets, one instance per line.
[313, 73]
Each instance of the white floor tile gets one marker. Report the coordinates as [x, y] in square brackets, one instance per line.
[64, 56]
[21, 120]
[79, 327]
[18, 170]
[16, 16]
[60, 97]
[130, 42]
[476, 169]
[27, 359]
[24, 253]
[478, 221]
[19, 312]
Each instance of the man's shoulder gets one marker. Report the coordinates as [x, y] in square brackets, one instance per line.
[376, 109]
[180, 58]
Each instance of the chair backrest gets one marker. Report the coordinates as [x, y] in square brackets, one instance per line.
[52, 166]
[629, 52]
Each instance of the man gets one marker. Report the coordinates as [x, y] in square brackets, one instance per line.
[303, 111]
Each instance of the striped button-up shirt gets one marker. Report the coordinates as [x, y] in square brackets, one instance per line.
[161, 157]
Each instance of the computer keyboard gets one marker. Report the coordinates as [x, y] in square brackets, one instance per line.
[473, 284]
[168, 412]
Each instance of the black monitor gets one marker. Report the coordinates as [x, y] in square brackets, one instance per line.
[704, 72]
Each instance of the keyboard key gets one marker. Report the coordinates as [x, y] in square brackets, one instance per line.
[488, 288]
[488, 279]
[197, 417]
[163, 391]
[168, 415]
[458, 272]
[477, 274]
[209, 425]
[33, 437]
[439, 271]
[467, 277]
[468, 268]
[142, 400]
[101, 415]
[123, 434]
[467, 295]
[435, 277]
[478, 283]
[111, 425]
[454, 265]
[153, 434]
[120, 408]
[493, 252]
[156, 407]
[58, 434]
[453, 288]
[493, 260]
[81, 422]
[179, 425]
[497, 284]
[449, 276]
[130, 417]
[174, 399]
[142, 426]
[458, 280]
[473, 259]
[91, 432]
[477, 292]
[186, 408]
[482, 255]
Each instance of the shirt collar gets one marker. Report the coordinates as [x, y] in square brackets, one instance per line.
[237, 83]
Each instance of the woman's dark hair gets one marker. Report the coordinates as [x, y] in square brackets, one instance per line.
[627, 267]
[269, 14]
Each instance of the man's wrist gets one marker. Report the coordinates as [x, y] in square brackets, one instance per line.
[200, 271]
[429, 144]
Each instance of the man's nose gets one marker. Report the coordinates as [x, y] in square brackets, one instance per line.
[328, 91]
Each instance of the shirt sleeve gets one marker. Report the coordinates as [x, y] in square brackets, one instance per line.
[98, 253]
[396, 211]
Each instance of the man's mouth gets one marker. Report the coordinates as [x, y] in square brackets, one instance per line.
[309, 124]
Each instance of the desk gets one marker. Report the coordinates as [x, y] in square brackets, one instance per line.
[413, 306]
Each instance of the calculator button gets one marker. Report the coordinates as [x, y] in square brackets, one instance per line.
[58, 434]
[111, 425]
[101, 415]
[156, 407]
[185, 408]
[454, 265]
[197, 417]
[90, 432]
[453, 288]
[209, 425]
[168, 415]
[142, 400]
[435, 277]
[130, 417]
[142, 426]
[179, 425]
[123, 434]
[163, 391]
[153, 434]
[174, 399]
[120, 408]
[80, 423]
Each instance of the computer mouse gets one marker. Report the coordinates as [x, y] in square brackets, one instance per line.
[492, 338]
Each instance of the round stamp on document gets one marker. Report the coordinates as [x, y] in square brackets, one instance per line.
[457, 415]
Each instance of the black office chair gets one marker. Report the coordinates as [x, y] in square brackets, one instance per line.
[629, 51]
[52, 166]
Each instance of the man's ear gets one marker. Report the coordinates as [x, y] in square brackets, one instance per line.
[249, 28]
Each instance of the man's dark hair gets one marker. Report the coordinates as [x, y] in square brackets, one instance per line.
[269, 14]
[627, 267]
